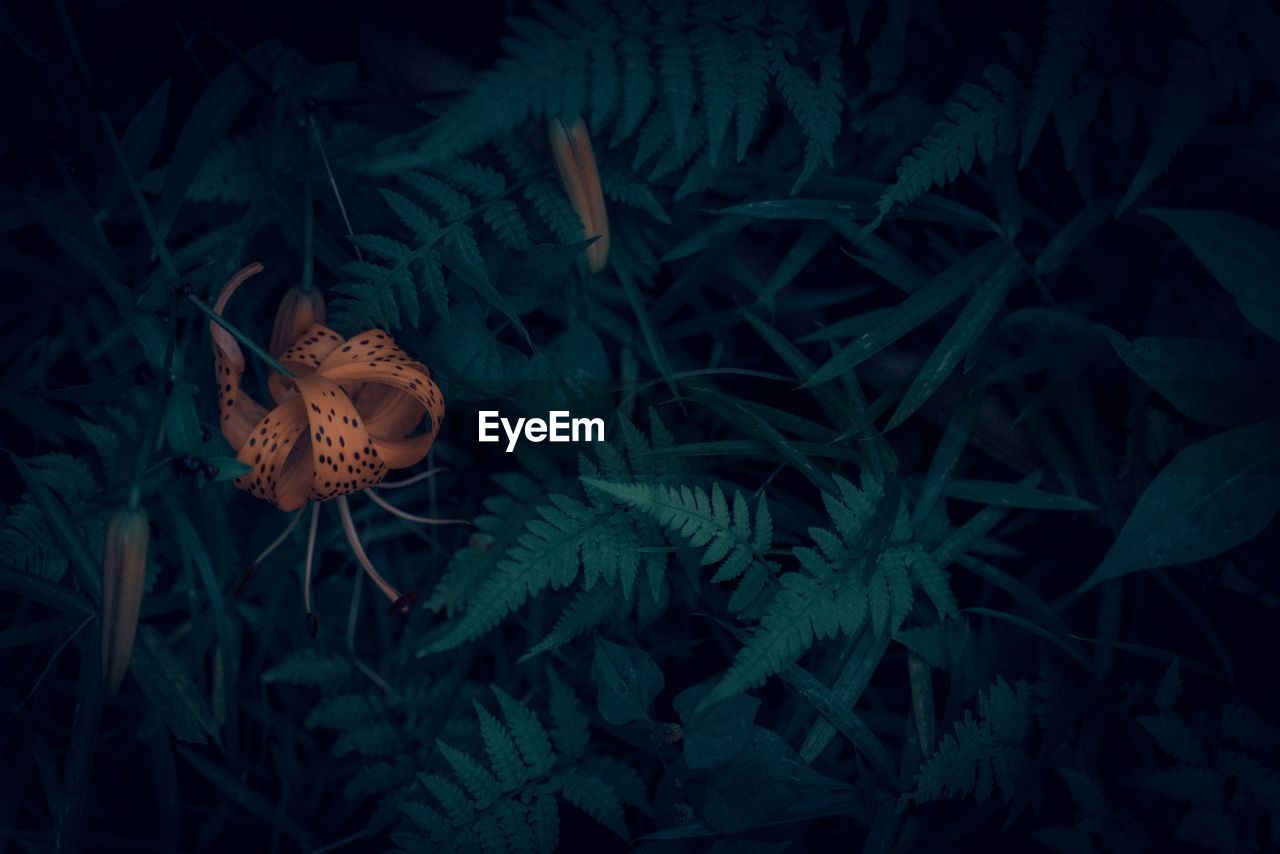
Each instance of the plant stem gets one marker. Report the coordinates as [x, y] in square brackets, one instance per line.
[308, 227]
[244, 340]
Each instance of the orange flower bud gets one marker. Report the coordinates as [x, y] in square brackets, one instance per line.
[298, 310]
[576, 163]
[124, 572]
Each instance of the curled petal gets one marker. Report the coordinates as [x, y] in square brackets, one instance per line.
[405, 452]
[388, 412]
[281, 471]
[303, 356]
[372, 345]
[373, 359]
[343, 457]
[239, 412]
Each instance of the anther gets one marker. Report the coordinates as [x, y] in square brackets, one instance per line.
[402, 605]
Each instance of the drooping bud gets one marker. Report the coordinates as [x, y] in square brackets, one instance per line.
[298, 310]
[576, 163]
[124, 572]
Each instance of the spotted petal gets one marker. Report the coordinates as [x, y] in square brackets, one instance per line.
[239, 412]
[344, 459]
[302, 357]
[281, 472]
[412, 379]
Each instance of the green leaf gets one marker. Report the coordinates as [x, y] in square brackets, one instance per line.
[715, 734]
[167, 682]
[980, 123]
[181, 424]
[228, 468]
[627, 681]
[239, 793]
[1035, 628]
[1214, 495]
[1243, 255]
[88, 571]
[1206, 379]
[223, 99]
[140, 139]
[999, 494]
[44, 591]
[959, 340]
[841, 717]
[766, 783]
[942, 290]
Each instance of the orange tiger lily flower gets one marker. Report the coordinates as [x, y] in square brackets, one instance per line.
[342, 419]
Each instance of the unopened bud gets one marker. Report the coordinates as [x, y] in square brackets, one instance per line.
[576, 163]
[298, 310]
[124, 572]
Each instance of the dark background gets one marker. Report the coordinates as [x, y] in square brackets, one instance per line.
[273, 775]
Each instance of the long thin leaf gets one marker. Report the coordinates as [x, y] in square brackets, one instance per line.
[960, 338]
[943, 290]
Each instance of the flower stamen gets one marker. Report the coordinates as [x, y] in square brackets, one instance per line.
[357, 548]
[277, 542]
[409, 517]
[409, 481]
[310, 559]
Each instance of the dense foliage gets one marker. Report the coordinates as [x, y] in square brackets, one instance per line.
[937, 346]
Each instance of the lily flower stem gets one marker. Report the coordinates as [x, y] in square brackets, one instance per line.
[155, 418]
[245, 340]
[308, 226]
[152, 424]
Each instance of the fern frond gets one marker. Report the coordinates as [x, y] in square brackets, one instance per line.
[504, 759]
[588, 610]
[713, 49]
[567, 536]
[705, 521]
[751, 87]
[1070, 28]
[569, 722]
[310, 668]
[983, 753]
[527, 731]
[816, 106]
[509, 802]
[670, 74]
[675, 73]
[564, 539]
[594, 797]
[1206, 76]
[26, 540]
[979, 123]
[861, 571]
